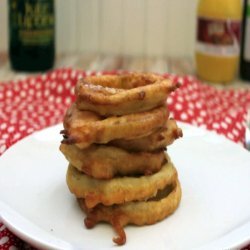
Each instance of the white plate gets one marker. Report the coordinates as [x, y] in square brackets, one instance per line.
[214, 212]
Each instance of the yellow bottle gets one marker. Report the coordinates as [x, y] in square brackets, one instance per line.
[218, 35]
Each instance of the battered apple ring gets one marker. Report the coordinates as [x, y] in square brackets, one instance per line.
[105, 162]
[120, 189]
[84, 127]
[155, 141]
[137, 213]
[122, 94]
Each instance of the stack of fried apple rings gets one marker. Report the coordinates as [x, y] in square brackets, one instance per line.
[115, 137]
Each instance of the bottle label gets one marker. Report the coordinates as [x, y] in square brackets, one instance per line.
[247, 34]
[218, 37]
[32, 22]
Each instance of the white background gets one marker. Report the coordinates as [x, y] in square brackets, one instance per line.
[128, 27]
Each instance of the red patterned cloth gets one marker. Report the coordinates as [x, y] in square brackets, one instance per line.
[38, 102]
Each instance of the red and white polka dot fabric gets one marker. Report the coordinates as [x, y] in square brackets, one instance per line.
[223, 111]
[38, 102]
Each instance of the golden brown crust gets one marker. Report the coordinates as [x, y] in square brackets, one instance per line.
[84, 127]
[134, 212]
[115, 135]
[105, 162]
[122, 94]
[155, 141]
[118, 190]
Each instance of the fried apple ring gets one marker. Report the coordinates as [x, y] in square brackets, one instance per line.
[105, 162]
[84, 127]
[137, 213]
[120, 189]
[155, 141]
[122, 94]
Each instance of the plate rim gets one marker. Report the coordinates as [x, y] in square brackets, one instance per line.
[40, 244]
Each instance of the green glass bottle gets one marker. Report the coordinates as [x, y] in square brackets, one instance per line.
[31, 35]
[245, 43]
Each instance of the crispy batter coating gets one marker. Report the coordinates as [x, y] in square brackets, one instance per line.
[120, 189]
[84, 127]
[114, 138]
[105, 162]
[155, 141]
[135, 212]
[122, 94]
